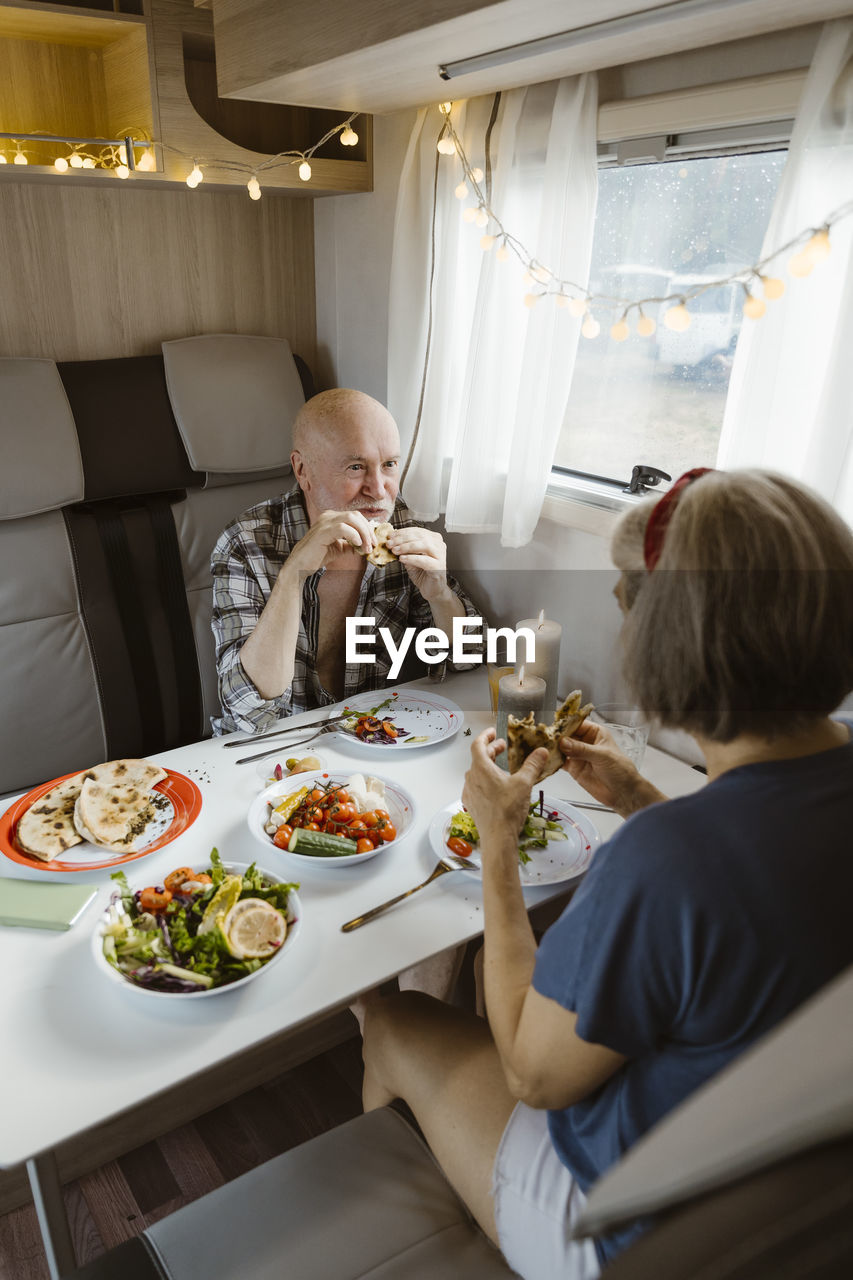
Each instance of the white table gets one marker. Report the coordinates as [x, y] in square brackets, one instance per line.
[78, 1049]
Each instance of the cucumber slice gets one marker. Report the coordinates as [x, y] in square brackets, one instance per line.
[319, 845]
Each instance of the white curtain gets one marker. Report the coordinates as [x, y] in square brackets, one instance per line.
[790, 401]
[482, 379]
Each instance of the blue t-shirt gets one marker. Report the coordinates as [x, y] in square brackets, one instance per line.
[702, 923]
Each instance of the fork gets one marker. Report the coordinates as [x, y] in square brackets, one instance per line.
[279, 733]
[449, 862]
[286, 746]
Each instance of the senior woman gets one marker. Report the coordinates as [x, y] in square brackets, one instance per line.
[702, 923]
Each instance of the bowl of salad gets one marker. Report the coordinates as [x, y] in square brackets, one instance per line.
[331, 819]
[201, 931]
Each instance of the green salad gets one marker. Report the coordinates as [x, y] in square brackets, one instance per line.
[198, 930]
[539, 827]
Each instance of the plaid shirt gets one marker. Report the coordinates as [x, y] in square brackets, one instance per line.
[245, 565]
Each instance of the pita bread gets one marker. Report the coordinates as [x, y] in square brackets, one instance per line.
[381, 553]
[524, 736]
[47, 828]
[112, 817]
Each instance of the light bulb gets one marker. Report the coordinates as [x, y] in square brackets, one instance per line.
[461, 191]
[486, 242]
[75, 160]
[146, 161]
[122, 171]
[754, 307]
[86, 163]
[477, 175]
[195, 176]
[561, 301]
[577, 306]
[446, 146]
[530, 299]
[469, 214]
[646, 326]
[677, 318]
[122, 154]
[3, 159]
[590, 327]
[60, 164]
[20, 158]
[542, 274]
[444, 108]
[305, 171]
[800, 265]
[349, 137]
[254, 188]
[818, 248]
[620, 331]
[773, 287]
[481, 217]
[502, 253]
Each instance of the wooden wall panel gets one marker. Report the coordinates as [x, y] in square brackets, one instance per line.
[113, 271]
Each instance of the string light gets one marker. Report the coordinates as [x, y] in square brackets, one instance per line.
[75, 159]
[3, 159]
[813, 247]
[254, 188]
[60, 164]
[122, 171]
[87, 162]
[195, 176]
[146, 162]
[349, 137]
[20, 157]
[305, 171]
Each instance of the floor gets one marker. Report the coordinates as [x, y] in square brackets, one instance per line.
[123, 1197]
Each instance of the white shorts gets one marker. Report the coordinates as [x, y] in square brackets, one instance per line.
[536, 1200]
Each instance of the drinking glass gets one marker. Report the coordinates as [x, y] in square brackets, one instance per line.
[627, 726]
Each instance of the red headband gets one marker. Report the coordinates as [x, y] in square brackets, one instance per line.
[663, 512]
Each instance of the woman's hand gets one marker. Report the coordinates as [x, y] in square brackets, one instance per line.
[594, 760]
[498, 801]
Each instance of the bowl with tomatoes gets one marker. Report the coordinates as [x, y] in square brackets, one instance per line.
[331, 819]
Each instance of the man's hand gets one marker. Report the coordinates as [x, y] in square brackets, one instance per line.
[424, 556]
[332, 534]
[594, 760]
[499, 802]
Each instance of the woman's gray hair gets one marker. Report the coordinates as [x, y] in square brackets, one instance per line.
[626, 548]
[745, 625]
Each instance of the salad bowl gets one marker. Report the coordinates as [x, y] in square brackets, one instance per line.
[397, 802]
[115, 921]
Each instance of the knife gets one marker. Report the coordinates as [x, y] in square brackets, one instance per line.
[294, 728]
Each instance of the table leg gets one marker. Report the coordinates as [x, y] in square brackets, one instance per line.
[52, 1218]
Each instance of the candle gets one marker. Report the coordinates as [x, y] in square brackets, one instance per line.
[517, 695]
[546, 663]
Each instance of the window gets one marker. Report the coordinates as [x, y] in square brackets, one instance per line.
[663, 227]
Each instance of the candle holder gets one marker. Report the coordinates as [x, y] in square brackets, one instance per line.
[546, 661]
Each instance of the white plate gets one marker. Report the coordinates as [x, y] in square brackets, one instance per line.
[400, 806]
[294, 928]
[561, 860]
[428, 717]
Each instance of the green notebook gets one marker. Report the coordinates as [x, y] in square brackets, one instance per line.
[43, 906]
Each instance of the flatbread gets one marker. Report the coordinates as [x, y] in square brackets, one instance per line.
[381, 553]
[47, 829]
[524, 736]
[112, 817]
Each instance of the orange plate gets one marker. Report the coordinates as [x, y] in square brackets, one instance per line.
[182, 791]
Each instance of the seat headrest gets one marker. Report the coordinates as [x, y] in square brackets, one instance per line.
[234, 398]
[41, 468]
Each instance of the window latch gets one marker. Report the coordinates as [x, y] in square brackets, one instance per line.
[643, 477]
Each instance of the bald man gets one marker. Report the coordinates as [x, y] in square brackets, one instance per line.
[287, 573]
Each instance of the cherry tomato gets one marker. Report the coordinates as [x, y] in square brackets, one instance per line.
[364, 845]
[282, 837]
[315, 796]
[343, 813]
[152, 899]
[461, 848]
[369, 818]
[383, 815]
[312, 826]
[386, 831]
[389, 728]
[176, 878]
[357, 824]
[341, 795]
[316, 814]
[200, 877]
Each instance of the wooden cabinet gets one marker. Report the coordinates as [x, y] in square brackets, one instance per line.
[91, 73]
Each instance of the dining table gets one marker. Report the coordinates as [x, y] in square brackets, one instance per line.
[78, 1048]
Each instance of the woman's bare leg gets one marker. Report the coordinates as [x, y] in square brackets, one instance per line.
[443, 1063]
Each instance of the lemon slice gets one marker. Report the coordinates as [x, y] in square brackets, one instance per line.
[254, 929]
[221, 902]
